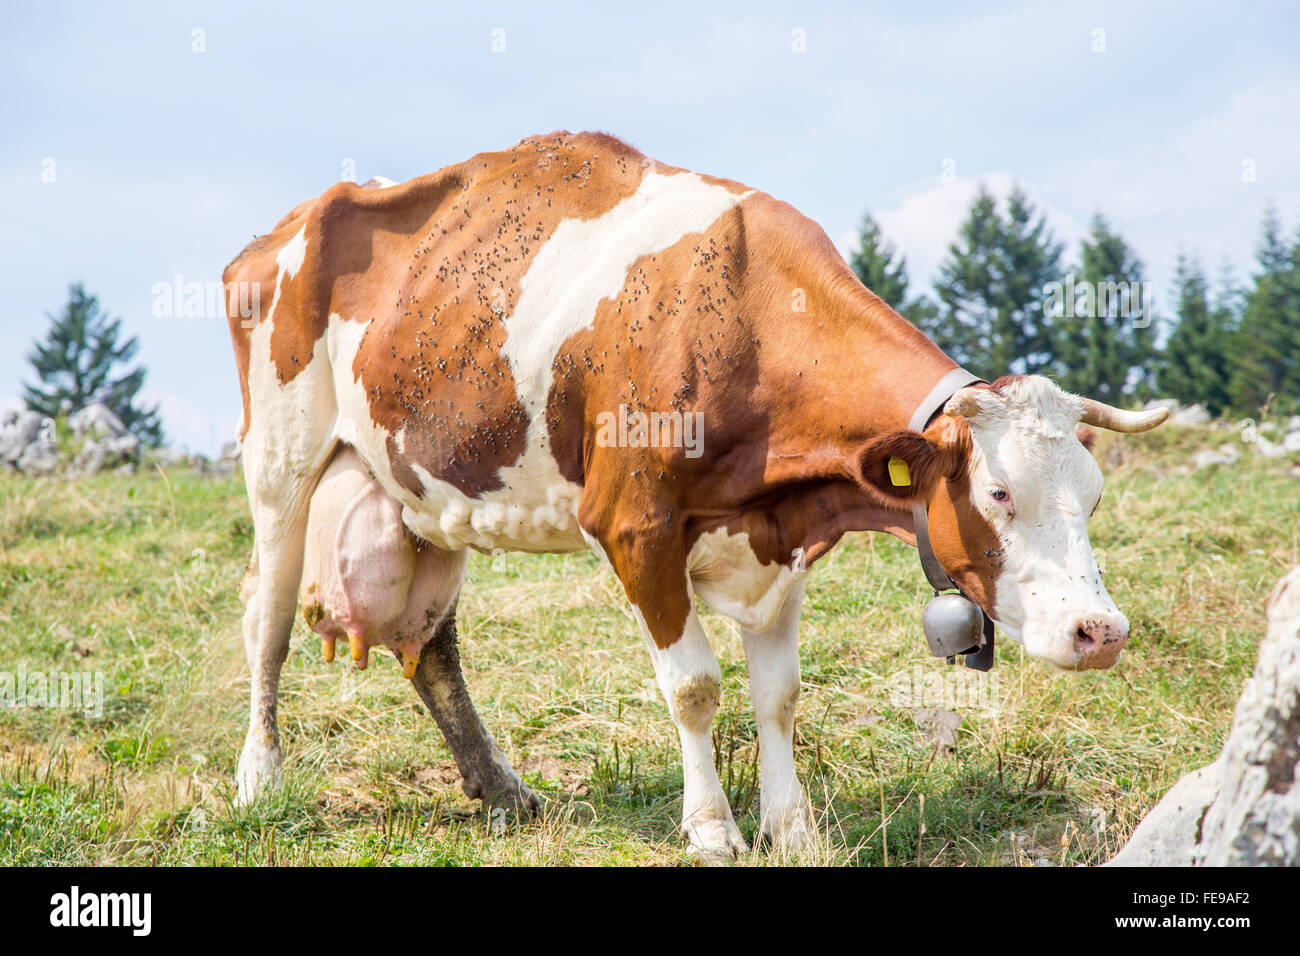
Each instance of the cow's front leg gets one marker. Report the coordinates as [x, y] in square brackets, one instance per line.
[691, 682]
[772, 657]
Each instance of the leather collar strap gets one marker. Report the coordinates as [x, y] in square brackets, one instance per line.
[942, 391]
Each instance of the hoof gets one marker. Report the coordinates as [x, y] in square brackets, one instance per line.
[258, 773]
[714, 841]
[791, 833]
[512, 795]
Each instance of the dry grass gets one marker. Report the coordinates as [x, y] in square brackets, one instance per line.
[137, 578]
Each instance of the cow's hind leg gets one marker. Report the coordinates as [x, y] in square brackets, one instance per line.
[691, 682]
[288, 443]
[279, 532]
[441, 685]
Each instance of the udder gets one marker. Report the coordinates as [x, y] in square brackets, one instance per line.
[366, 577]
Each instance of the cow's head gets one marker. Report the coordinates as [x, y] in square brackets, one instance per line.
[1010, 486]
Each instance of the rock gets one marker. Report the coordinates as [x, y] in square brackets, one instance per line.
[1226, 454]
[1291, 443]
[1293, 424]
[1268, 449]
[96, 421]
[1191, 415]
[230, 459]
[1169, 403]
[38, 459]
[18, 429]
[1256, 819]
[96, 456]
[1243, 809]
[1166, 836]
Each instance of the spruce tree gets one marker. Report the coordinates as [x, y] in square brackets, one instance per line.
[878, 266]
[991, 289]
[1101, 352]
[882, 270]
[1265, 353]
[81, 362]
[1194, 365]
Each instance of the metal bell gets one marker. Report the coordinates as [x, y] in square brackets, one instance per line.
[953, 624]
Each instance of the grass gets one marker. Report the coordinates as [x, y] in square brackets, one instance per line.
[136, 578]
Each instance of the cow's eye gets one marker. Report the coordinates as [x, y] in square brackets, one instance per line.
[1001, 496]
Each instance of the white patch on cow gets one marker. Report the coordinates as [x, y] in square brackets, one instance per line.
[528, 514]
[291, 256]
[594, 543]
[1024, 441]
[728, 576]
[287, 421]
[587, 260]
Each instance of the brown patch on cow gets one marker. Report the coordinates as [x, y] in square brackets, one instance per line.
[964, 541]
[789, 399]
[1087, 436]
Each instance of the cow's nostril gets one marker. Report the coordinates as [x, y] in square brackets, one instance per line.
[1097, 643]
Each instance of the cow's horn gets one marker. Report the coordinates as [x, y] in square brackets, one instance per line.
[1118, 420]
[962, 403]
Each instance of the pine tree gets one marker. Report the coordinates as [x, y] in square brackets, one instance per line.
[1194, 365]
[77, 362]
[1101, 352]
[882, 270]
[991, 289]
[1265, 354]
[1031, 262]
[878, 266]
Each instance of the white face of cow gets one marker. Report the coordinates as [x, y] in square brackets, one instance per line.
[1036, 485]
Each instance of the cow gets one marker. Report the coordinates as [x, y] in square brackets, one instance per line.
[566, 345]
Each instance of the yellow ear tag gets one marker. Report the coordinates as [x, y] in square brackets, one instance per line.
[899, 475]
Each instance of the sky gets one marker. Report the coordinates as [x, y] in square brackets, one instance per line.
[144, 142]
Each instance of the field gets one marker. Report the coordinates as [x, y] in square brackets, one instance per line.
[136, 578]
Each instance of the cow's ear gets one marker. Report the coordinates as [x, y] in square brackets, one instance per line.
[901, 467]
[1087, 436]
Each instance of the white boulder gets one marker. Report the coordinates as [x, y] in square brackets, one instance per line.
[1243, 809]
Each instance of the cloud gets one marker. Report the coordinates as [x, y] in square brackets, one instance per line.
[926, 222]
[1185, 189]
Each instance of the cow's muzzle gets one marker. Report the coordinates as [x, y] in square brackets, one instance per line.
[1097, 643]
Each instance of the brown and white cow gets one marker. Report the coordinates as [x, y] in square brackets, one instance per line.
[567, 345]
